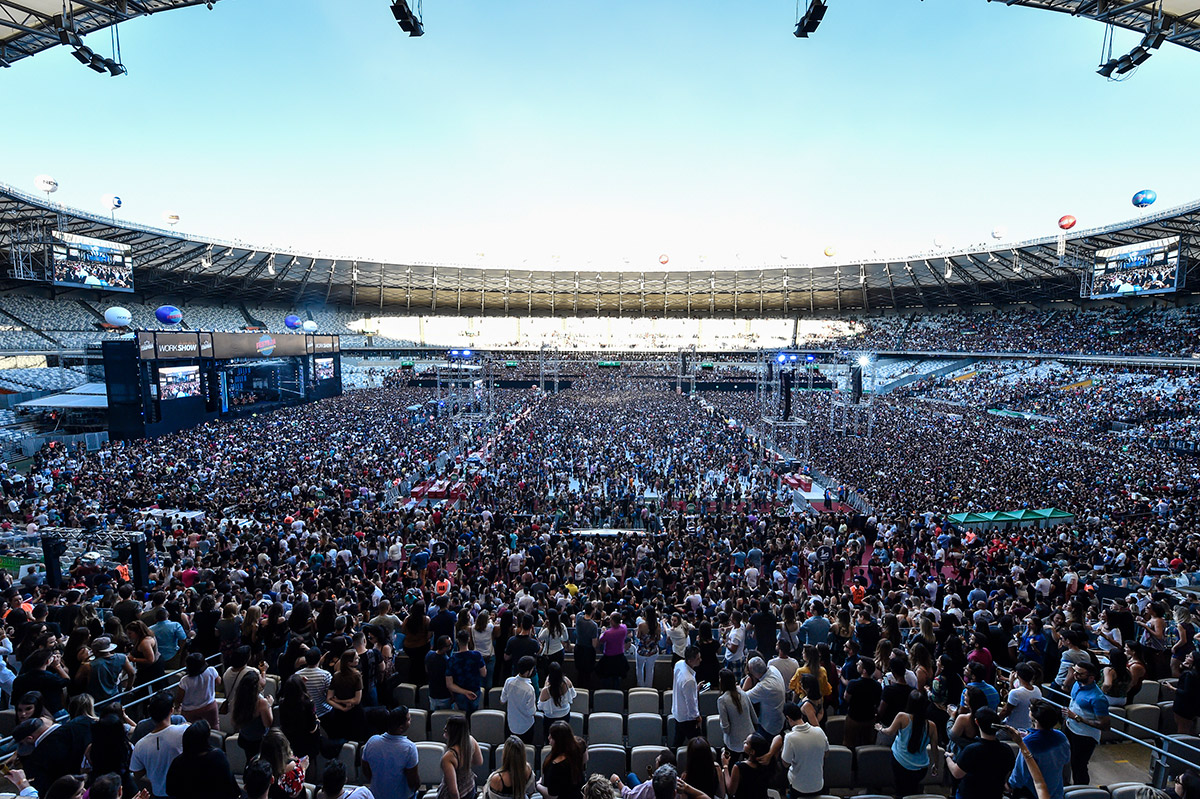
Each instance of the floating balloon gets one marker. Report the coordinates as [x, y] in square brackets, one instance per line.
[999, 232]
[288, 520]
[111, 201]
[118, 317]
[939, 242]
[168, 314]
[1145, 198]
[171, 218]
[291, 321]
[1067, 222]
[662, 259]
[830, 252]
[46, 183]
[309, 326]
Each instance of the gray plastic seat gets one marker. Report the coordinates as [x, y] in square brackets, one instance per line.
[839, 768]
[429, 762]
[488, 726]
[605, 759]
[645, 729]
[643, 701]
[873, 766]
[608, 701]
[641, 758]
[606, 728]
[418, 729]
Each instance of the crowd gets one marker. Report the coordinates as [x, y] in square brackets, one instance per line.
[604, 529]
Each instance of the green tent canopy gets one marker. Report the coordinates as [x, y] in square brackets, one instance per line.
[1044, 517]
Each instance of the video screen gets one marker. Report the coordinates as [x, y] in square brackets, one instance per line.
[177, 382]
[324, 368]
[1148, 267]
[91, 263]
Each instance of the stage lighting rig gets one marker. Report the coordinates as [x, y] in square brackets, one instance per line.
[85, 55]
[811, 19]
[409, 22]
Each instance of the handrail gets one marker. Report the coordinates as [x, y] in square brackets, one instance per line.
[6, 740]
[1124, 721]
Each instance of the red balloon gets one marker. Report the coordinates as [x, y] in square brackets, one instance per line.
[1067, 222]
[288, 520]
[662, 259]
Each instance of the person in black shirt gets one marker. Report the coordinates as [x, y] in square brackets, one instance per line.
[43, 672]
[436, 664]
[523, 643]
[862, 704]
[983, 766]
[443, 621]
[867, 632]
[766, 627]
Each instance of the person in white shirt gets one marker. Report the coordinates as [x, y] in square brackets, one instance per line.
[802, 748]
[685, 697]
[784, 662]
[154, 752]
[735, 645]
[1022, 695]
[521, 700]
[766, 688]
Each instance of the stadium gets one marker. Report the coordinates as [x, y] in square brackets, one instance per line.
[912, 521]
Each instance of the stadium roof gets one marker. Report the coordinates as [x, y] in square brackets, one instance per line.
[1181, 18]
[179, 267]
[31, 26]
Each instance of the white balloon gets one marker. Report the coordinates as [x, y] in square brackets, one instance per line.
[46, 183]
[171, 218]
[939, 242]
[999, 232]
[118, 316]
[309, 326]
[111, 201]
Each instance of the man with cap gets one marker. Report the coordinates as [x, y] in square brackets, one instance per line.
[104, 672]
[45, 750]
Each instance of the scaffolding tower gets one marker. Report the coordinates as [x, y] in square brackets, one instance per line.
[850, 416]
[785, 423]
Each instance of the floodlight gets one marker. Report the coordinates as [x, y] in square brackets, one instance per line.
[1154, 39]
[1106, 69]
[1125, 64]
[864, 360]
[1140, 55]
[454, 352]
[810, 358]
[466, 353]
[811, 19]
[83, 55]
[408, 21]
[782, 358]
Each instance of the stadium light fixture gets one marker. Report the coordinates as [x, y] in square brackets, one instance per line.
[1140, 55]
[409, 22]
[1125, 64]
[864, 360]
[782, 358]
[1154, 39]
[96, 63]
[1106, 69]
[811, 19]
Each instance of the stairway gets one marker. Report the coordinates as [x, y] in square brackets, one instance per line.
[57, 344]
[85, 305]
[250, 320]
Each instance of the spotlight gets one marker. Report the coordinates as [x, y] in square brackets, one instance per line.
[454, 352]
[83, 55]
[864, 360]
[810, 358]
[782, 358]
[811, 19]
[1140, 55]
[1125, 64]
[793, 357]
[114, 68]
[67, 36]
[1106, 69]
[408, 21]
[97, 63]
[1154, 39]
[466, 353]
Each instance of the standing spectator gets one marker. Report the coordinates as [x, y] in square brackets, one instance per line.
[316, 682]
[614, 665]
[685, 697]
[144, 654]
[1021, 696]
[1086, 717]
[649, 633]
[736, 712]
[748, 778]
[437, 663]
[466, 672]
[389, 760]
[200, 771]
[196, 694]
[416, 642]
[523, 644]
[152, 755]
[766, 688]
[587, 637]
[521, 700]
[803, 752]
[982, 767]
[862, 704]
[483, 641]
[914, 745]
[43, 671]
[461, 758]
[288, 770]
[513, 778]
[252, 716]
[45, 749]
[1187, 696]
[735, 644]
[703, 774]
[345, 697]
[1050, 750]
[563, 768]
[556, 698]
[552, 639]
[816, 627]
[171, 639]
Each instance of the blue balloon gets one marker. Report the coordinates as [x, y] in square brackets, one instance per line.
[1144, 198]
[291, 321]
[168, 314]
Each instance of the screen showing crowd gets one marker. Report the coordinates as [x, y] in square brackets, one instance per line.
[92, 263]
[1148, 267]
[324, 368]
[177, 382]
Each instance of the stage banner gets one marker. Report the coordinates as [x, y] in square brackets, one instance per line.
[256, 345]
[176, 346]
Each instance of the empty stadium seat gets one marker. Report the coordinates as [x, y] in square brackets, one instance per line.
[577, 723]
[1145, 716]
[1148, 694]
[582, 703]
[713, 731]
[605, 759]
[437, 723]
[488, 726]
[643, 701]
[839, 768]
[708, 703]
[645, 729]
[606, 728]
[484, 769]
[429, 762]
[608, 701]
[493, 699]
[873, 766]
[405, 694]
[1085, 792]
[418, 730]
[235, 755]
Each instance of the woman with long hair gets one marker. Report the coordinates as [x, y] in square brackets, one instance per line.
[1116, 679]
[914, 745]
[459, 761]
[710, 649]
[812, 703]
[963, 730]
[345, 694]
[553, 638]
[251, 714]
[556, 697]
[416, 642]
[649, 633]
[483, 641]
[513, 779]
[1154, 640]
[144, 653]
[286, 768]
[252, 631]
[196, 693]
[229, 630]
[275, 633]
[702, 772]
[205, 621]
[1187, 696]
[749, 778]
[1136, 655]
[109, 752]
[789, 628]
[298, 718]
[563, 766]
[735, 711]
[200, 771]
[75, 654]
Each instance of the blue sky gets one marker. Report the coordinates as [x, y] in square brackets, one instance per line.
[558, 134]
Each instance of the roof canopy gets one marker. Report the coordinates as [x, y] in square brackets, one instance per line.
[1003, 518]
